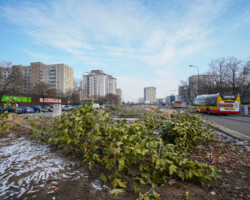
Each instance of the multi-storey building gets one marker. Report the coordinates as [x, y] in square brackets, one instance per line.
[97, 84]
[160, 101]
[60, 77]
[119, 94]
[141, 100]
[184, 94]
[149, 95]
[111, 85]
[26, 87]
[199, 84]
[4, 74]
[38, 73]
[170, 99]
[56, 76]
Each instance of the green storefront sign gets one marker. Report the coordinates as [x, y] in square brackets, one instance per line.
[16, 99]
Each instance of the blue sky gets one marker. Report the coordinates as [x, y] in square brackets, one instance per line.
[141, 43]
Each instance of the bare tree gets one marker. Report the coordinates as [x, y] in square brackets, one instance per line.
[52, 93]
[68, 95]
[108, 99]
[232, 73]
[184, 92]
[76, 96]
[41, 89]
[10, 78]
[218, 70]
[244, 82]
[224, 75]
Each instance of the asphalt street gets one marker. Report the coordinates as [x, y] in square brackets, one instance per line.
[237, 123]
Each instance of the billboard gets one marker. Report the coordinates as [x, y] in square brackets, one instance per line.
[50, 100]
[16, 99]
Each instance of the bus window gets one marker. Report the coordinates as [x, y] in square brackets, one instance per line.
[214, 101]
[226, 96]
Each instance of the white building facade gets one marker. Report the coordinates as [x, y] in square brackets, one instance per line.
[149, 95]
[97, 84]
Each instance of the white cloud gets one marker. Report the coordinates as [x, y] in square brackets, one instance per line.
[126, 34]
[123, 30]
[35, 56]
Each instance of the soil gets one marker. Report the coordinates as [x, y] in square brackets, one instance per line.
[29, 170]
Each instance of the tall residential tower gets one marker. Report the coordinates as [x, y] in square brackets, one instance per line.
[149, 95]
[98, 84]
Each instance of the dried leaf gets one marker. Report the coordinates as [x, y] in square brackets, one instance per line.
[228, 171]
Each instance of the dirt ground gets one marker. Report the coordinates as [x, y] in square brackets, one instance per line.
[231, 157]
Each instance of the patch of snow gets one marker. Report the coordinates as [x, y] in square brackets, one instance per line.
[27, 167]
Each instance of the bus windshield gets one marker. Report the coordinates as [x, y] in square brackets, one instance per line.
[228, 96]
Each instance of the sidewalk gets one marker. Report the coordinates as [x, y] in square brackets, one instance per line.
[244, 115]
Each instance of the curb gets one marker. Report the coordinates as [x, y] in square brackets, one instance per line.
[244, 115]
[231, 133]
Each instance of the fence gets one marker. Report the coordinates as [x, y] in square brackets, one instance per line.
[245, 109]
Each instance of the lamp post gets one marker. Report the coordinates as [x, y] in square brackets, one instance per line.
[198, 76]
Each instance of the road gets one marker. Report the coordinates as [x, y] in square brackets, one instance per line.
[237, 123]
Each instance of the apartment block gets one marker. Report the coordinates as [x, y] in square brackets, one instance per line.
[198, 84]
[111, 84]
[119, 93]
[149, 95]
[4, 73]
[97, 84]
[38, 73]
[57, 76]
[60, 77]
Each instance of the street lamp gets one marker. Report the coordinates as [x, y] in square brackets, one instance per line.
[198, 75]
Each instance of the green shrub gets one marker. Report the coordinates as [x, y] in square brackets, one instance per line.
[121, 147]
[186, 131]
[4, 126]
[153, 120]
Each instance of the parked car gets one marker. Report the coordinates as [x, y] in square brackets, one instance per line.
[64, 108]
[96, 105]
[28, 110]
[1, 110]
[69, 107]
[36, 108]
[9, 109]
[44, 109]
[19, 110]
[76, 106]
[50, 108]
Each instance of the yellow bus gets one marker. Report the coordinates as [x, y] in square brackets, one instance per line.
[227, 103]
[86, 101]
